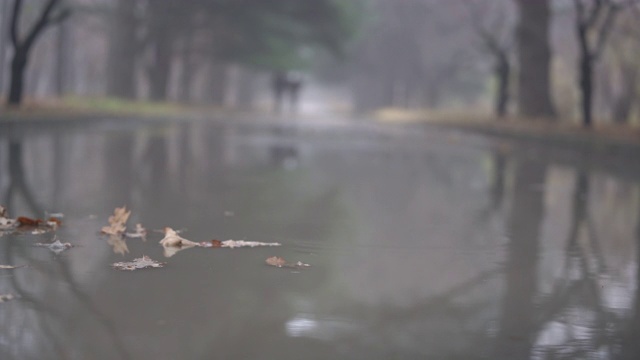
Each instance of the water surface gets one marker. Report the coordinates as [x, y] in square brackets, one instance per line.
[423, 244]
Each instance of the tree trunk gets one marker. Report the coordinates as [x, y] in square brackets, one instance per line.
[586, 90]
[503, 76]
[624, 101]
[161, 67]
[62, 49]
[534, 58]
[4, 26]
[18, 67]
[218, 84]
[122, 52]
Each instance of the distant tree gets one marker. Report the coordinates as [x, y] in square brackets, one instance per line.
[534, 58]
[51, 13]
[491, 22]
[624, 65]
[124, 45]
[594, 22]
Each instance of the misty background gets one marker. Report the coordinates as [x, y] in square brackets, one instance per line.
[355, 55]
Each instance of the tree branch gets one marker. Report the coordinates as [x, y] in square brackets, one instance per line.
[595, 13]
[60, 17]
[15, 15]
[605, 29]
[43, 21]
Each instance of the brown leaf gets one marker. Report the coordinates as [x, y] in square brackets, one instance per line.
[53, 221]
[117, 222]
[25, 221]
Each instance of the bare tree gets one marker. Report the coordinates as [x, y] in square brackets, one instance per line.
[4, 10]
[534, 58]
[490, 21]
[51, 13]
[594, 20]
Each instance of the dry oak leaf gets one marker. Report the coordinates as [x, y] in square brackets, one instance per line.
[117, 222]
[140, 263]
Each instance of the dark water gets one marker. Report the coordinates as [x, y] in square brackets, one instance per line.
[431, 245]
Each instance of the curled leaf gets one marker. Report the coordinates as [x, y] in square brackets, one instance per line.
[172, 242]
[140, 263]
[171, 238]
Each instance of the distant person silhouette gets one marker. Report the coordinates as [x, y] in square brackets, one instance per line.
[278, 86]
[286, 87]
[294, 82]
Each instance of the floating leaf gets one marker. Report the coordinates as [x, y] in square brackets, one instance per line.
[6, 223]
[33, 226]
[10, 267]
[56, 246]
[172, 242]
[280, 262]
[6, 297]
[117, 222]
[139, 263]
[171, 238]
[241, 243]
[140, 232]
[25, 221]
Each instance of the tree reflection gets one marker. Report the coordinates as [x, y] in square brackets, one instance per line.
[38, 322]
[517, 322]
[18, 185]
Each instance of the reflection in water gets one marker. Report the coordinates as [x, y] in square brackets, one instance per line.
[418, 250]
[517, 321]
[18, 185]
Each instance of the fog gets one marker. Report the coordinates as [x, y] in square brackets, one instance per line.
[348, 55]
